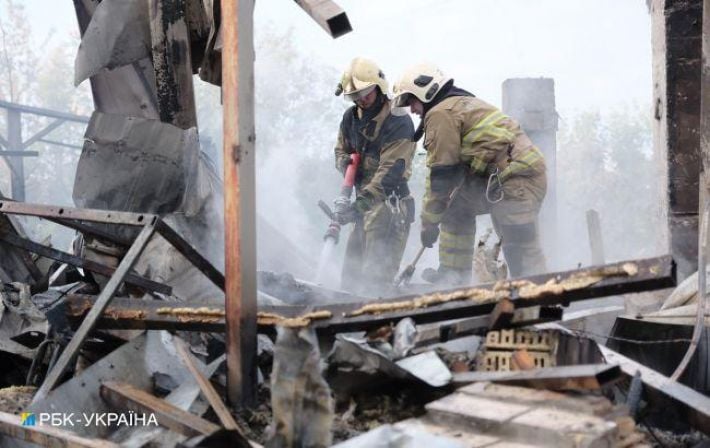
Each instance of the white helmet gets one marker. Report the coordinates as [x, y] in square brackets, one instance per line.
[423, 81]
[361, 78]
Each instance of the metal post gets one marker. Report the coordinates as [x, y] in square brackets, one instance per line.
[17, 167]
[596, 241]
[239, 199]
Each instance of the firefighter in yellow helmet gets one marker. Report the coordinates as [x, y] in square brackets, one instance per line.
[383, 209]
[480, 161]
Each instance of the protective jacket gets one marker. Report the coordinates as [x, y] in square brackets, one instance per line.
[464, 134]
[466, 140]
[376, 244]
[385, 144]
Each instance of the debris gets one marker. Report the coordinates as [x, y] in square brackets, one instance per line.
[693, 407]
[300, 397]
[117, 35]
[580, 377]
[207, 390]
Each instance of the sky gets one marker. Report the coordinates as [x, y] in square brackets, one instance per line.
[598, 51]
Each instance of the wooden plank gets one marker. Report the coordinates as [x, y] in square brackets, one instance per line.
[652, 273]
[207, 389]
[695, 406]
[72, 349]
[125, 396]
[11, 426]
[579, 377]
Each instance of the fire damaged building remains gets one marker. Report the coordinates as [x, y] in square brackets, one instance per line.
[139, 332]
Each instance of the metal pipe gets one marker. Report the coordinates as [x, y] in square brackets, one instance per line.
[328, 15]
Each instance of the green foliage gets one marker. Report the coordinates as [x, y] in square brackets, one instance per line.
[605, 163]
[41, 76]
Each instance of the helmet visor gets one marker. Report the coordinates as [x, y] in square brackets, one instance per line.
[359, 94]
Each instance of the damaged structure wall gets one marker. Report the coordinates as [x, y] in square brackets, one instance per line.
[677, 52]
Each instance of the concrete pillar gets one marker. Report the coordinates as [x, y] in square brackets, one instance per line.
[531, 101]
[676, 34]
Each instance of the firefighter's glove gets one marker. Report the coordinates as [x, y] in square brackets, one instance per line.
[429, 235]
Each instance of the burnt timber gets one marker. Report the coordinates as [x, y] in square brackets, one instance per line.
[653, 273]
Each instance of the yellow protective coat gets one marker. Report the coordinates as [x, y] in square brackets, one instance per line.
[468, 132]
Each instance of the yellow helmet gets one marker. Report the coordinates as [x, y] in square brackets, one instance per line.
[361, 78]
[423, 81]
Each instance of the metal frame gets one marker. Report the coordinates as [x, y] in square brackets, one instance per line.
[15, 146]
[73, 218]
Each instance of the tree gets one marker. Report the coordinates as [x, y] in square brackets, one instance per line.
[605, 163]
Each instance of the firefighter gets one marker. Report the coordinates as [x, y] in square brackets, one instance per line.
[383, 209]
[479, 161]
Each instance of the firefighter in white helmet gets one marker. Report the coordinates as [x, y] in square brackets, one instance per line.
[383, 209]
[480, 161]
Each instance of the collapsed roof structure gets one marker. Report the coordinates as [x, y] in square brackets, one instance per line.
[157, 318]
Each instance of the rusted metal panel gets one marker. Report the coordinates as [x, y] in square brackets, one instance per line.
[651, 274]
[579, 378]
[126, 157]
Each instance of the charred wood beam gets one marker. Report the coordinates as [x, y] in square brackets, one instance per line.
[132, 314]
[659, 389]
[79, 262]
[126, 397]
[579, 377]
[651, 274]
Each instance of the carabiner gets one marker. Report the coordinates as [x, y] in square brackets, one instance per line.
[495, 175]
